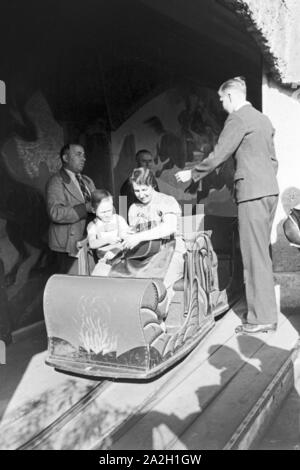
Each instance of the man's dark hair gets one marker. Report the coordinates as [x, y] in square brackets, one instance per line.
[65, 150]
[140, 154]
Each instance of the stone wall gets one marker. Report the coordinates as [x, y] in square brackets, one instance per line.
[29, 154]
[283, 108]
[172, 126]
[275, 26]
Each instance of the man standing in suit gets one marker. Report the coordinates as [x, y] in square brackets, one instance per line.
[248, 136]
[68, 196]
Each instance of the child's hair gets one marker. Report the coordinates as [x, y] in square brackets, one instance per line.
[98, 196]
[142, 176]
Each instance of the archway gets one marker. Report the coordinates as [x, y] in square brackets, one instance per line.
[81, 70]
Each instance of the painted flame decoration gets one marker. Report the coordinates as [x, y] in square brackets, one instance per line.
[95, 335]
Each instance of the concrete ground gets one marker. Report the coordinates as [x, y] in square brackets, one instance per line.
[27, 343]
[284, 431]
[282, 434]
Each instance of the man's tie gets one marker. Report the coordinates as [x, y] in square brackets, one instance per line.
[84, 188]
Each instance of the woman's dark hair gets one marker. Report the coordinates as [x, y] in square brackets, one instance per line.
[98, 196]
[142, 176]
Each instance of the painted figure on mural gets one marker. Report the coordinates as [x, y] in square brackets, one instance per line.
[29, 141]
[169, 148]
[28, 155]
[68, 196]
[205, 127]
[95, 139]
[24, 210]
[185, 120]
[248, 136]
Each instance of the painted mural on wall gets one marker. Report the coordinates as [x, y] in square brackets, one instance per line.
[34, 160]
[179, 126]
[29, 154]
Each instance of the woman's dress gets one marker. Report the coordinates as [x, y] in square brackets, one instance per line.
[167, 262]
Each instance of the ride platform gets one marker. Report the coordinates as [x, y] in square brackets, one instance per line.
[221, 396]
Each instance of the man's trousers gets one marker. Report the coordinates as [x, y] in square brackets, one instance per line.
[255, 223]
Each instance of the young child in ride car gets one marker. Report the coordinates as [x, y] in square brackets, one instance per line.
[106, 231]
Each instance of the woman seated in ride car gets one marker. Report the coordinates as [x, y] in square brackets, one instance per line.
[155, 248]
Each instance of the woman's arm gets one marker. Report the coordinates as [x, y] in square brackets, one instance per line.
[167, 228]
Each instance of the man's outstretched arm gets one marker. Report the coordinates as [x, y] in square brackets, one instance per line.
[228, 142]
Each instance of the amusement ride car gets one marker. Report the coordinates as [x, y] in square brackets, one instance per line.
[119, 328]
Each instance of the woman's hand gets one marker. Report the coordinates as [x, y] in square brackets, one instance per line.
[131, 241]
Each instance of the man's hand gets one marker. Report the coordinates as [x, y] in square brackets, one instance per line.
[183, 176]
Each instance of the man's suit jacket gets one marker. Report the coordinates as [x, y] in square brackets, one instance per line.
[248, 136]
[67, 212]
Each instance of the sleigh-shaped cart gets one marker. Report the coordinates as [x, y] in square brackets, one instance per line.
[113, 327]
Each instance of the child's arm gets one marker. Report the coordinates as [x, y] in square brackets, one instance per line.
[97, 240]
